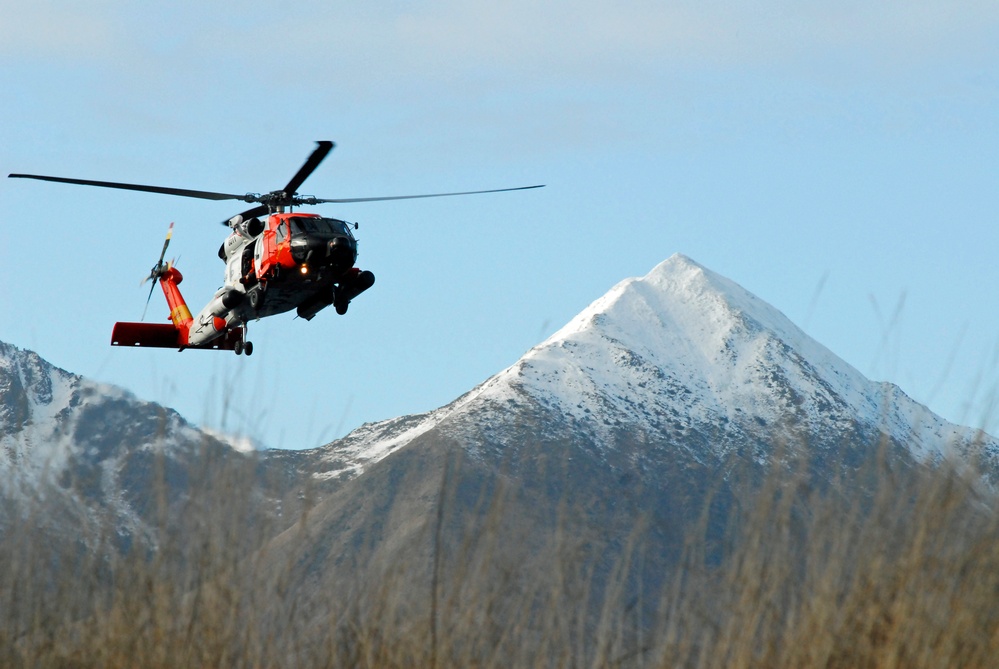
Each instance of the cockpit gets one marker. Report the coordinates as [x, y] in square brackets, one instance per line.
[320, 227]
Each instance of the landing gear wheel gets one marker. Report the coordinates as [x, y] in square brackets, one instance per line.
[257, 297]
[238, 347]
[341, 308]
[248, 348]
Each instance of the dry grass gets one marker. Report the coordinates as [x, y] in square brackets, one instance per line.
[905, 577]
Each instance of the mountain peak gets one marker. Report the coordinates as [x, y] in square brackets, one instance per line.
[685, 355]
[682, 312]
[686, 347]
[687, 303]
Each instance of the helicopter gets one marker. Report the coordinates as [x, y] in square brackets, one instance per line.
[276, 260]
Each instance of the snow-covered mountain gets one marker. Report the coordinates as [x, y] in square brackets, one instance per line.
[49, 417]
[686, 359]
[664, 379]
[75, 454]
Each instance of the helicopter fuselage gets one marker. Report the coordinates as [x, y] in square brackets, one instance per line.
[293, 260]
[298, 261]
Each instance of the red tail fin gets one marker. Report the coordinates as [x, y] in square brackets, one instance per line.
[179, 313]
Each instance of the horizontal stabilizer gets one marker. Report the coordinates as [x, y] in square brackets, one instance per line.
[165, 335]
[146, 334]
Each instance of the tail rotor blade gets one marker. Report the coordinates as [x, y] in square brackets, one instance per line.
[146, 308]
[166, 243]
[157, 269]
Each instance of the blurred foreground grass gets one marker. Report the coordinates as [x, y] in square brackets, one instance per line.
[906, 576]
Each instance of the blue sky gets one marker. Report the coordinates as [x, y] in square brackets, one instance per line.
[838, 159]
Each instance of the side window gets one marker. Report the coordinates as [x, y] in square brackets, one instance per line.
[282, 232]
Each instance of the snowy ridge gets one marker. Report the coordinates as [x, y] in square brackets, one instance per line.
[34, 399]
[374, 441]
[49, 416]
[84, 449]
[679, 351]
[36, 408]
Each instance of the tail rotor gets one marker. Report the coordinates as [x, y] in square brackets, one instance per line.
[158, 270]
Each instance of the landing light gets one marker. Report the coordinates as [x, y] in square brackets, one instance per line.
[305, 269]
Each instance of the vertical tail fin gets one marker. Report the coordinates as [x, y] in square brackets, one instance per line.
[180, 315]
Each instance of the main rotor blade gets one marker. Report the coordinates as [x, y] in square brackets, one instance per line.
[309, 167]
[410, 197]
[249, 213]
[183, 192]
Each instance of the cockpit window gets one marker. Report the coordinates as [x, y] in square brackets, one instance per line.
[330, 227]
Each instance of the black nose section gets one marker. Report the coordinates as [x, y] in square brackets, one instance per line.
[341, 253]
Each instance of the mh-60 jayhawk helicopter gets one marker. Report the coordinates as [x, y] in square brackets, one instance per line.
[287, 260]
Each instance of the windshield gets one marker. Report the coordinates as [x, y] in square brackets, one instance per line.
[328, 227]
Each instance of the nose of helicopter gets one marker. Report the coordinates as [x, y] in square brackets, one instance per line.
[341, 253]
[338, 253]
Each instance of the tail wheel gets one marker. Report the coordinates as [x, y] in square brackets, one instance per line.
[248, 348]
[238, 347]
